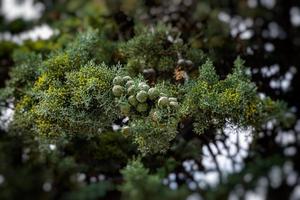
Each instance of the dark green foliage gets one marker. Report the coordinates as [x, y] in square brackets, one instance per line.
[6, 50]
[259, 169]
[105, 153]
[23, 76]
[141, 185]
[90, 192]
[158, 49]
[20, 159]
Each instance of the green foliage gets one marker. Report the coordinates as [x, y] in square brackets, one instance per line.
[77, 105]
[140, 185]
[70, 94]
[6, 48]
[213, 102]
[91, 192]
[153, 117]
[20, 158]
[153, 137]
[159, 49]
[23, 75]
[107, 152]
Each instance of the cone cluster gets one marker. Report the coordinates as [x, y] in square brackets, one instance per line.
[139, 95]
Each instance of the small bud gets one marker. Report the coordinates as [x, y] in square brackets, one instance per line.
[131, 90]
[118, 90]
[142, 83]
[163, 101]
[174, 104]
[142, 96]
[129, 83]
[126, 78]
[153, 93]
[125, 109]
[144, 86]
[142, 107]
[118, 80]
[132, 100]
[173, 99]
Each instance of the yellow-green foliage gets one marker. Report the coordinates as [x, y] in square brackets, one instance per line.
[214, 102]
[71, 95]
[58, 65]
[91, 81]
[82, 104]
